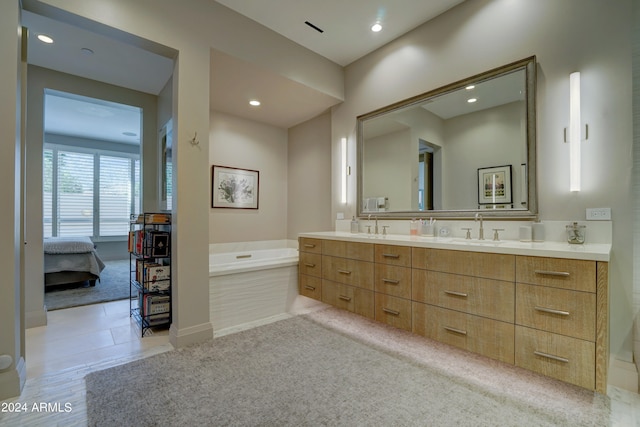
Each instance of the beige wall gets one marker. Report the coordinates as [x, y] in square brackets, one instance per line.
[245, 144]
[591, 36]
[309, 178]
[11, 303]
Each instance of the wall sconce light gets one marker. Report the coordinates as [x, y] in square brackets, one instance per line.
[344, 170]
[575, 132]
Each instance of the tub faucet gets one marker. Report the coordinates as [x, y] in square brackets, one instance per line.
[481, 229]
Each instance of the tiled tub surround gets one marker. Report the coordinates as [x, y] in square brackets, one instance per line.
[540, 306]
[251, 283]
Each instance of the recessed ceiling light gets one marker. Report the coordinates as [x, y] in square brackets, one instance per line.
[129, 134]
[376, 27]
[469, 87]
[254, 102]
[471, 100]
[45, 39]
[86, 51]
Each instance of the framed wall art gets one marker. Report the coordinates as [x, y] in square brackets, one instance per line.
[234, 188]
[494, 185]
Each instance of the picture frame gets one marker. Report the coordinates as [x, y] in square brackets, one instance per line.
[234, 187]
[494, 185]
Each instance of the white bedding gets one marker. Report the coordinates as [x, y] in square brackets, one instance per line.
[67, 245]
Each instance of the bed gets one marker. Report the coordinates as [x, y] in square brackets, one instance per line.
[70, 260]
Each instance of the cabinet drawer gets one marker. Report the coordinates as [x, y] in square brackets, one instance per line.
[393, 280]
[479, 264]
[350, 298]
[567, 359]
[572, 274]
[310, 264]
[561, 311]
[306, 244]
[393, 311]
[310, 286]
[482, 297]
[351, 250]
[480, 335]
[348, 271]
[394, 255]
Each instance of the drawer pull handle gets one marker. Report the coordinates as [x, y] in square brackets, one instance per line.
[456, 294]
[551, 311]
[307, 264]
[388, 310]
[551, 356]
[344, 272]
[552, 273]
[309, 245]
[344, 298]
[455, 331]
[311, 288]
[391, 281]
[391, 255]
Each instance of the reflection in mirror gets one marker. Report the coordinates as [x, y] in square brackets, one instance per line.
[465, 147]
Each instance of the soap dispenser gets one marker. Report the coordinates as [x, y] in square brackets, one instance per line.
[413, 227]
[354, 225]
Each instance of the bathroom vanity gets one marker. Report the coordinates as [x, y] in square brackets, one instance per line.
[540, 306]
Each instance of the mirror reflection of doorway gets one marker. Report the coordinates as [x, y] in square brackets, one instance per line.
[425, 187]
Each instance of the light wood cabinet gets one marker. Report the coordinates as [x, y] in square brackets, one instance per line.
[548, 315]
[310, 268]
[480, 335]
[494, 299]
[350, 298]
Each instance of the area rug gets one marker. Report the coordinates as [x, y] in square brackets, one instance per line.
[334, 369]
[113, 286]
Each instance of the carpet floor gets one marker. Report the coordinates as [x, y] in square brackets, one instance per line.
[113, 286]
[332, 368]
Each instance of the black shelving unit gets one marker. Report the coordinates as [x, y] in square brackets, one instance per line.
[150, 272]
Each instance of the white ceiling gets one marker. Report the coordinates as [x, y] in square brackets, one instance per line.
[346, 24]
[285, 103]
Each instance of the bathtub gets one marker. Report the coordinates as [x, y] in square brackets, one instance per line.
[251, 287]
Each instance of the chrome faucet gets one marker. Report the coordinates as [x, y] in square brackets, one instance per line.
[375, 218]
[481, 230]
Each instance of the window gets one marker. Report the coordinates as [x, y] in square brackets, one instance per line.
[89, 192]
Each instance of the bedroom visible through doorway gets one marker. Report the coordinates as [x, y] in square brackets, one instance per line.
[91, 181]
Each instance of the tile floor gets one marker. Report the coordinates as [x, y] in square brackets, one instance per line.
[80, 340]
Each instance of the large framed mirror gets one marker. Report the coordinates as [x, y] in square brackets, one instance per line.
[460, 149]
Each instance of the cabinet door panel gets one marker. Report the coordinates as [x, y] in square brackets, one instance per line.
[310, 286]
[565, 358]
[392, 280]
[483, 297]
[393, 311]
[394, 255]
[487, 337]
[578, 275]
[478, 264]
[348, 271]
[306, 244]
[351, 250]
[310, 264]
[561, 311]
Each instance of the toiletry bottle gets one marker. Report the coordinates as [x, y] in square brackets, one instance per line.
[413, 227]
[537, 231]
[354, 225]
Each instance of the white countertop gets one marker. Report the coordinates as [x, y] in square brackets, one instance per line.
[587, 251]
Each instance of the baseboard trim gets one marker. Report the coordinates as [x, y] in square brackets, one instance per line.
[12, 381]
[33, 319]
[191, 335]
[623, 374]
